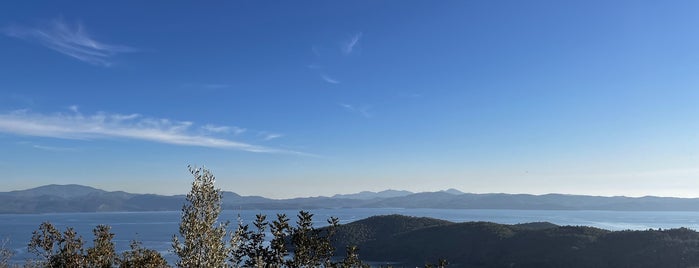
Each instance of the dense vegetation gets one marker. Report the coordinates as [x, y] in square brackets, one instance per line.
[485, 244]
[204, 241]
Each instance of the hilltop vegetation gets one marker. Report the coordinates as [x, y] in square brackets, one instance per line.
[410, 241]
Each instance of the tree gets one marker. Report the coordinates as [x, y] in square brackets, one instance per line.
[71, 250]
[351, 259]
[102, 254]
[43, 242]
[311, 247]
[280, 231]
[5, 254]
[203, 235]
[239, 241]
[442, 263]
[56, 249]
[139, 257]
[258, 255]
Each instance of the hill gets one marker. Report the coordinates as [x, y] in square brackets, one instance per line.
[410, 241]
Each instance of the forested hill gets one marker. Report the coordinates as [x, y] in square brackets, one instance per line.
[77, 198]
[410, 241]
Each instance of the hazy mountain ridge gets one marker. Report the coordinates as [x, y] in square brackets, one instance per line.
[365, 195]
[78, 198]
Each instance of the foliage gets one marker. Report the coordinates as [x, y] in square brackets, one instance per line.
[204, 242]
[280, 231]
[102, 254]
[141, 257]
[312, 247]
[5, 254]
[57, 249]
[351, 259]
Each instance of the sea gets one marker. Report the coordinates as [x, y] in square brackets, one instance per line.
[156, 229]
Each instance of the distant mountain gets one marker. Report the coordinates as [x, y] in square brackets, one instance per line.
[453, 191]
[538, 202]
[63, 191]
[366, 195]
[78, 198]
[410, 241]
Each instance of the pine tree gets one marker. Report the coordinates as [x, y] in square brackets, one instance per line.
[311, 247]
[280, 231]
[351, 259]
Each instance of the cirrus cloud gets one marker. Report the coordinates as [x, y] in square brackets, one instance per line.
[103, 125]
[70, 40]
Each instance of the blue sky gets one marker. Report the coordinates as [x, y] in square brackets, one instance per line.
[310, 98]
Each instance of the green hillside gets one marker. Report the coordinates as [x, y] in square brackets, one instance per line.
[411, 241]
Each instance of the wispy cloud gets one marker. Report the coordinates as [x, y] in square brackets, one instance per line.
[53, 149]
[361, 110]
[348, 46]
[70, 40]
[73, 108]
[329, 79]
[223, 129]
[270, 136]
[103, 125]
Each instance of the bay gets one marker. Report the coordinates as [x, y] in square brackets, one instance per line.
[156, 229]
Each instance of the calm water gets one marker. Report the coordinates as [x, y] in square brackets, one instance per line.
[155, 229]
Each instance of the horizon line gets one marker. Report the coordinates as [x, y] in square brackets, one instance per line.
[331, 196]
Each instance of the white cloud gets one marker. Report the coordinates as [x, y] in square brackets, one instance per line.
[348, 46]
[73, 108]
[216, 129]
[361, 110]
[223, 129]
[238, 130]
[329, 79]
[105, 126]
[73, 41]
[53, 149]
[271, 136]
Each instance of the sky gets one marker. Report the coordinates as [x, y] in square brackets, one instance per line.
[308, 98]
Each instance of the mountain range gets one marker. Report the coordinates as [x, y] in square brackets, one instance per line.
[78, 198]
